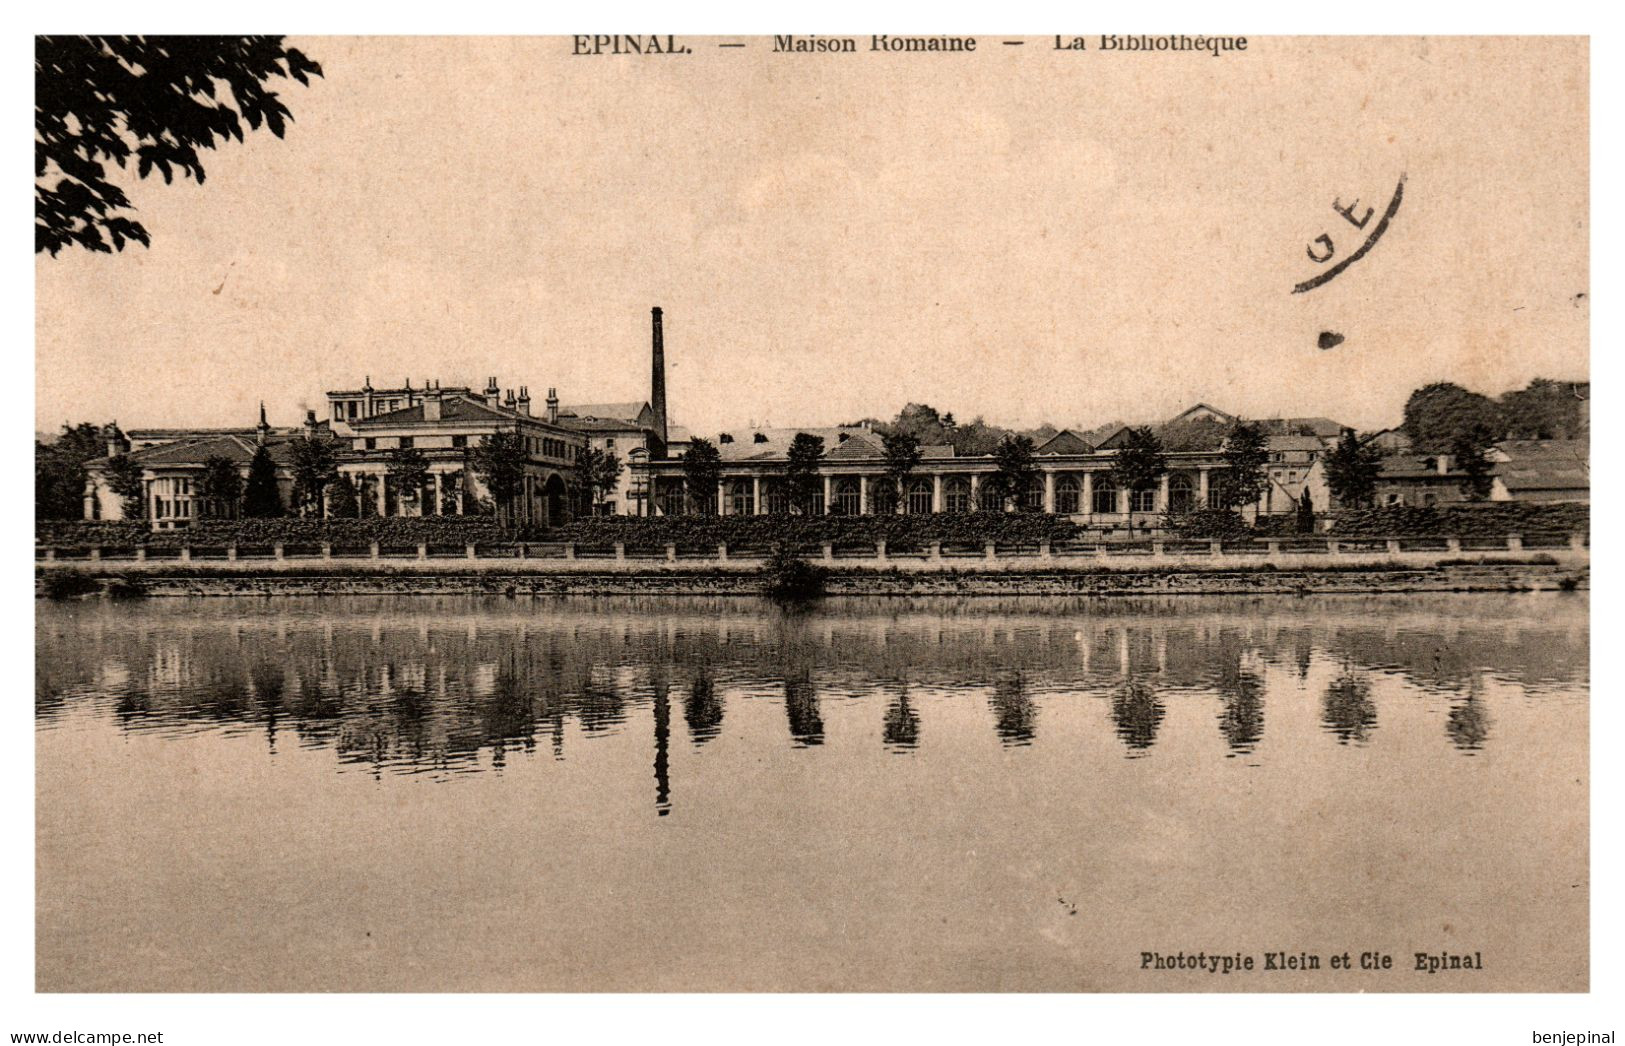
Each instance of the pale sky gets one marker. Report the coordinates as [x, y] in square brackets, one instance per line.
[1018, 233]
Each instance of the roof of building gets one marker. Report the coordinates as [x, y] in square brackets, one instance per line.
[452, 408]
[195, 452]
[1066, 442]
[841, 443]
[1324, 428]
[1287, 442]
[1544, 464]
[629, 412]
[1417, 466]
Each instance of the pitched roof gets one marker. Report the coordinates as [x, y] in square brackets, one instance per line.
[631, 411]
[1065, 442]
[841, 443]
[1544, 464]
[1324, 428]
[452, 408]
[1199, 408]
[1291, 442]
[1417, 466]
[194, 453]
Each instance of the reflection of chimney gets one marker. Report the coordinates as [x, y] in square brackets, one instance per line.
[553, 405]
[431, 404]
[524, 399]
[657, 384]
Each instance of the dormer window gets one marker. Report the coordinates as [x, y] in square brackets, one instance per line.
[726, 437]
[760, 438]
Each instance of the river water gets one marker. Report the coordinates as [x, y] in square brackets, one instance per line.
[435, 794]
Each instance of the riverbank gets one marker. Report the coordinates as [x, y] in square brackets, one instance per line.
[1565, 572]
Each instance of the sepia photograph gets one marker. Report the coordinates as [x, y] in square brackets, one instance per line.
[1070, 513]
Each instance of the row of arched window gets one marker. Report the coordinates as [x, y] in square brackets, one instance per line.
[846, 496]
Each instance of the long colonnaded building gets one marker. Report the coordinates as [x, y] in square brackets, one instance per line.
[1073, 475]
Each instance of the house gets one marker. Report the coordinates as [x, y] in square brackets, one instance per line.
[1548, 470]
[1419, 481]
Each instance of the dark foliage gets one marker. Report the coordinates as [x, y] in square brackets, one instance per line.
[1437, 415]
[1469, 451]
[1139, 463]
[805, 456]
[124, 479]
[59, 473]
[261, 498]
[499, 462]
[1352, 469]
[1014, 468]
[787, 578]
[315, 463]
[156, 99]
[702, 467]
[1246, 452]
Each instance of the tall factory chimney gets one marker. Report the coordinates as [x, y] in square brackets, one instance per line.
[657, 384]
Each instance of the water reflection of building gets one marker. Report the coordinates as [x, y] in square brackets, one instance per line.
[442, 690]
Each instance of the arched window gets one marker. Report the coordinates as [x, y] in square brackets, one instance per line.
[1216, 490]
[776, 497]
[919, 497]
[1067, 492]
[742, 495]
[1144, 500]
[1105, 496]
[848, 502]
[956, 495]
[672, 498]
[1181, 493]
[990, 495]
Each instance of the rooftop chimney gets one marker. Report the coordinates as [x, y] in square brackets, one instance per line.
[552, 405]
[310, 424]
[263, 430]
[657, 384]
[524, 399]
[116, 443]
[431, 404]
[493, 395]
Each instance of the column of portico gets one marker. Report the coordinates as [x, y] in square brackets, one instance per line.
[756, 494]
[975, 492]
[863, 495]
[383, 494]
[722, 499]
[436, 503]
[1122, 500]
[1087, 506]
[936, 492]
[1049, 490]
[1201, 487]
[1162, 493]
[828, 507]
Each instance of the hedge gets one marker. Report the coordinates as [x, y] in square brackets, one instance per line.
[1481, 520]
[389, 530]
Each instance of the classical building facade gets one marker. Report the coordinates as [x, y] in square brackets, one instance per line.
[1073, 475]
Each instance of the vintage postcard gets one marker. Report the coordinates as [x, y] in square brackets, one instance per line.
[659, 513]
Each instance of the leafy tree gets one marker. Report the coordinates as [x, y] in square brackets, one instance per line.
[1246, 452]
[315, 463]
[261, 497]
[1435, 415]
[343, 498]
[409, 470]
[1139, 463]
[124, 479]
[159, 99]
[499, 462]
[1013, 467]
[59, 471]
[902, 458]
[221, 486]
[1548, 410]
[597, 472]
[702, 468]
[805, 457]
[1468, 450]
[1306, 513]
[1352, 469]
